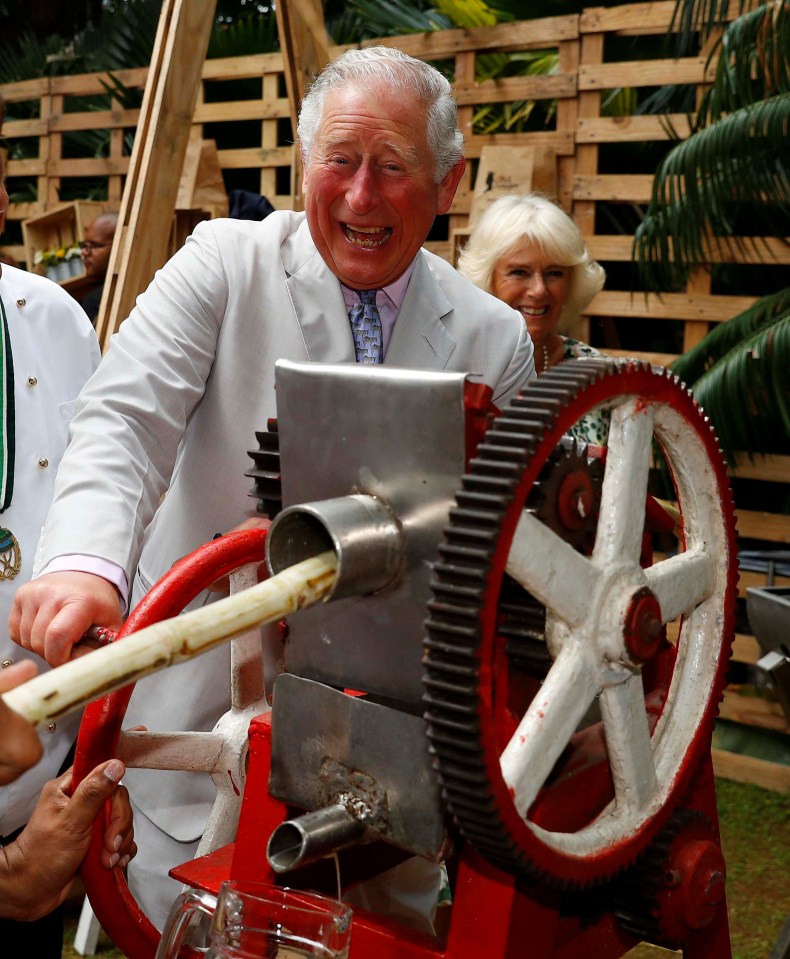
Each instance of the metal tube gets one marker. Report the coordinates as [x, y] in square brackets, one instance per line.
[311, 837]
[361, 531]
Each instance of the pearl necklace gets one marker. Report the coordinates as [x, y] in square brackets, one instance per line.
[545, 358]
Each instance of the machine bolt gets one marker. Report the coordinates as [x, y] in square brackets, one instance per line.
[671, 878]
[702, 875]
[575, 500]
[642, 631]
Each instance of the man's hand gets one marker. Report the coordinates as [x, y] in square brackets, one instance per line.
[20, 747]
[50, 614]
[37, 870]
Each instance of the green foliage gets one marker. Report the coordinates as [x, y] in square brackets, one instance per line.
[743, 157]
[734, 167]
[753, 64]
[243, 36]
[755, 834]
[695, 20]
[745, 361]
[397, 17]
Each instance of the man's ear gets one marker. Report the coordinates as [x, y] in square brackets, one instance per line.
[449, 185]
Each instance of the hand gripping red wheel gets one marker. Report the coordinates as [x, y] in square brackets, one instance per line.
[514, 753]
[115, 907]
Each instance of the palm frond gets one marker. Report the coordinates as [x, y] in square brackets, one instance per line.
[469, 14]
[753, 62]
[765, 313]
[742, 159]
[246, 35]
[397, 17]
[694, 20]
[746, 395]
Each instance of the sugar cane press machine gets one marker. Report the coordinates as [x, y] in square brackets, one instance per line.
[507, 676]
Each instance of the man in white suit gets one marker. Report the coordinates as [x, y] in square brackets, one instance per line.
[49, 350]
[190, 377]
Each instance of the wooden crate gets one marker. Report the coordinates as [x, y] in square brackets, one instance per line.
[62, 227]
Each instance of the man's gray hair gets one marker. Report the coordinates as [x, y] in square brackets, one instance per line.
[393, 72]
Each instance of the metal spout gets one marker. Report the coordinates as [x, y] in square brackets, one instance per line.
[360, 529]
[311, 837]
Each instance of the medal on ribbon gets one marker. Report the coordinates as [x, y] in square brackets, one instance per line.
[10, 555]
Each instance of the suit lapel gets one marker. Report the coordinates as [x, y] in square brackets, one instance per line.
[420, 339]
[317, 300]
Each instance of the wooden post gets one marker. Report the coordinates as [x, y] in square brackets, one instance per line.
[305, 49]
[141, 239]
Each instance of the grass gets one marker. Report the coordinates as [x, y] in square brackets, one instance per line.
[755, 830]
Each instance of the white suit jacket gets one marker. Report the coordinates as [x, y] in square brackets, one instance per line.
[55, 351]
[175, 405]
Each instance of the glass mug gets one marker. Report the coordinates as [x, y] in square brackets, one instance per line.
[255, 920]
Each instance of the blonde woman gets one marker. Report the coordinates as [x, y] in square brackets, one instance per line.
[529, 253]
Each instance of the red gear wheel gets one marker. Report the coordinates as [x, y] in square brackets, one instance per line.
[677, 887]
[535, 792]
[110, 896]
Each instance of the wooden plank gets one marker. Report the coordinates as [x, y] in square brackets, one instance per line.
[630, 129]
[88, 166]
[762, 251]
[617, 248]
[694, 332]
[22, 211]
[94, 120]
[626, 18]
[776, 469]
[657, 359]
[25, 128]
[747, 769]
[567, 120]
[304, 44]
[746, 649]
[269, 139]
[516, 88]
[237, 68]
[752, 711]
[465, 65]
[643, 73]
[33, 167]
[504, 37]
[672, 306]
[747, 580]
[145, 219]
[619, 187]
[90, 84]
[253, 157]
[26, 90]
[560, 141]
[589, 105]
[753, 524]
[242, 110]
[638, 19]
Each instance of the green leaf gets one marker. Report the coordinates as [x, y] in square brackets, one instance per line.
[741, 159]
[745, 393]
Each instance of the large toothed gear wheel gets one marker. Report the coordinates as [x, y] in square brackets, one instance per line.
[568, 777]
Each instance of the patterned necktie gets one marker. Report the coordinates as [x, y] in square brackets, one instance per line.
[366, 328]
